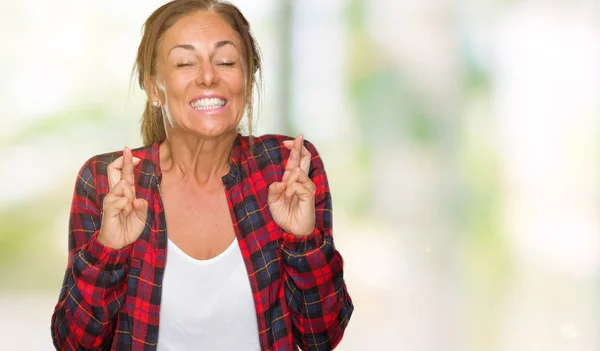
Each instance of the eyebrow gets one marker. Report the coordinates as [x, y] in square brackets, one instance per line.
[189, 47]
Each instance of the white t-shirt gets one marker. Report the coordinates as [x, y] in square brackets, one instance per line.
[207, 304]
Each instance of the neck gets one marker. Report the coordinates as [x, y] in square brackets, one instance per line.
[203, 161]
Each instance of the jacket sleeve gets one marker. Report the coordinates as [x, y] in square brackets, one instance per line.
[94, 285]
[313, 274]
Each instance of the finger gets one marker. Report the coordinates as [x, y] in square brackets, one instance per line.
[299, 191]
[128, 190]
[296, 175]
[140, 206]
[276, 189]
[292, 175]
[114, 170]
[114, 205]
[127, 170]
[305, 181]
[123, 189]
[118, 162]
[289, 144]
[114, 176]
[129, 194]
[294, 158]
[127, 208]
[305, 158]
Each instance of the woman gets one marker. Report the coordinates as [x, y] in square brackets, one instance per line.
[246, 222]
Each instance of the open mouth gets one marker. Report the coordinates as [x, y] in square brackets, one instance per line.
[207, 104]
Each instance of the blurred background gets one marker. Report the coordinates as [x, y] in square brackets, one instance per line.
[461, 139]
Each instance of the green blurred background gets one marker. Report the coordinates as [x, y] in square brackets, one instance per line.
[461, 138]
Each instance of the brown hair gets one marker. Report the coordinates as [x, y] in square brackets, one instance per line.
[158, 23]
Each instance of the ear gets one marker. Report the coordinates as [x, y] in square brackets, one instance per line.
[152, 91]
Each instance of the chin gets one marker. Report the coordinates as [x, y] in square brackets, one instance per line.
[215, 131]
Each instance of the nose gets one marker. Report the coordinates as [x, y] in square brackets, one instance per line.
[207, 74]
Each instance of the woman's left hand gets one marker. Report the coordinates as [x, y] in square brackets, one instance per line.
[292, 201]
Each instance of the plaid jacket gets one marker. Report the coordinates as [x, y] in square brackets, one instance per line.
[110, 299]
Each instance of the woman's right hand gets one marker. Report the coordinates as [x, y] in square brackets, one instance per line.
[124, 216]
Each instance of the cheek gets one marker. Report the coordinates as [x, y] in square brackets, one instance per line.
[173, 82]
[236, 81]
[241, 94]
[177, 85]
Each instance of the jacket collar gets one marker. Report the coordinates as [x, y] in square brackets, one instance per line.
[232, 177]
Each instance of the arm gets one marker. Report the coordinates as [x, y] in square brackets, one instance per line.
[313, 274]
[94, 285]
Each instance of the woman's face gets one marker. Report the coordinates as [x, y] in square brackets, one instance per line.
[200, 76]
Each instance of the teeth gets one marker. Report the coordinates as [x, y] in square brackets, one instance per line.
[208, 104]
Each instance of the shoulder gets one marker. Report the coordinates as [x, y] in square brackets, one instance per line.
[97, 165]
[268, 150]
[274, 142]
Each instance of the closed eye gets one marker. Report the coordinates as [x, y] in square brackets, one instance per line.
[228, 64]
[185, 64]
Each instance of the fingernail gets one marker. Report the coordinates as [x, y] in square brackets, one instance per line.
[135, 159]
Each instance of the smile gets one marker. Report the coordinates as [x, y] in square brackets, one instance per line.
[206, 104]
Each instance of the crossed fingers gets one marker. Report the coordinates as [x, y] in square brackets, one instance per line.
[295, 177]
[299, 156]
[122, 181]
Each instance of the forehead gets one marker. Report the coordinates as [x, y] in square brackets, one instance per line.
[200, 28]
